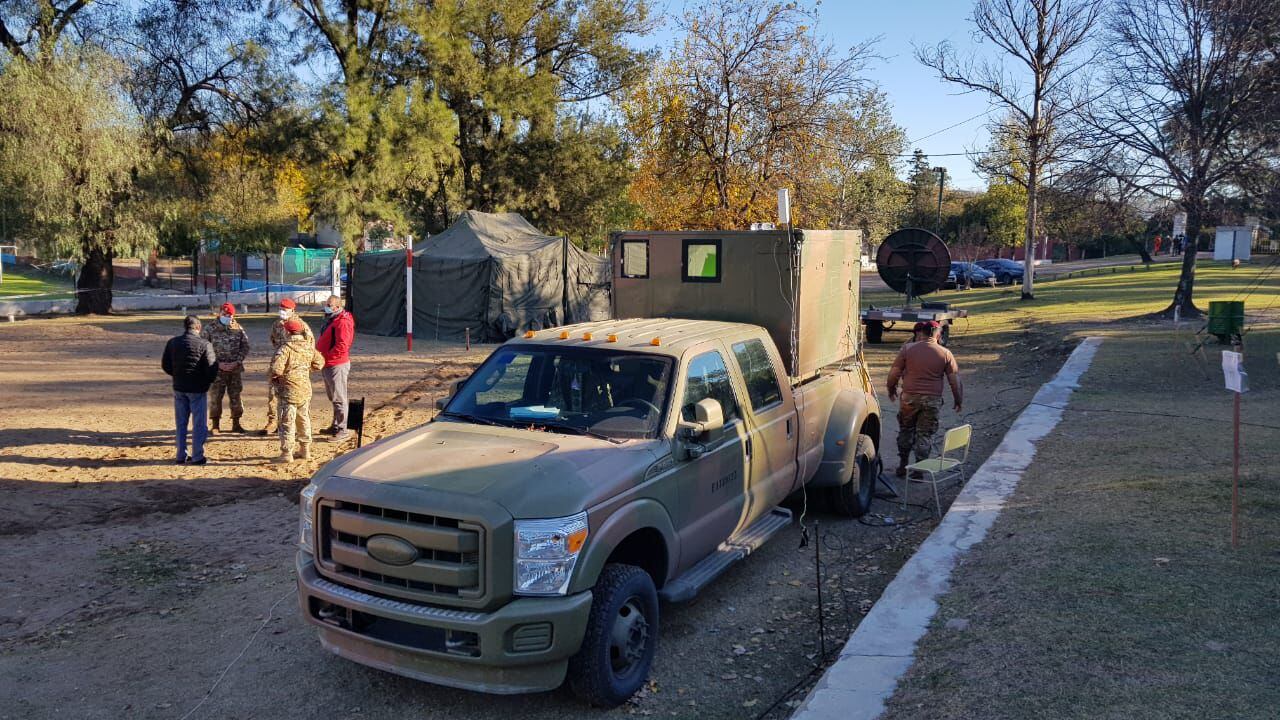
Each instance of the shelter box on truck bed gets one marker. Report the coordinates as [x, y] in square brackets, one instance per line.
[801, 286]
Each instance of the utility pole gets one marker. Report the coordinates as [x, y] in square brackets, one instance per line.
[942, 178]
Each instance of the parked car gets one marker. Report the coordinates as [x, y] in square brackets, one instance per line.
[1007, 271]
[965, 273]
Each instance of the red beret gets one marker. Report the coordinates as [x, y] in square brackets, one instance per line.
[228, 308]
[288, 304]
[293, 325]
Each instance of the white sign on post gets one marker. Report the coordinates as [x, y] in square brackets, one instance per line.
[1233, 373]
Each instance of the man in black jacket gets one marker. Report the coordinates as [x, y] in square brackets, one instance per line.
[191, 361]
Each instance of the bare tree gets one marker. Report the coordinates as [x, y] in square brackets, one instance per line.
[1040, 42]
[1187, 85]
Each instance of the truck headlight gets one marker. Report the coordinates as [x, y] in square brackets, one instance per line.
[546, 551]
[307, 518]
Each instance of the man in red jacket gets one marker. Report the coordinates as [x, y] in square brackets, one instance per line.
[334, 343]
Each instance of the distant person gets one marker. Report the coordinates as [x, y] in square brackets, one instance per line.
[279, 336]
[193, 364]
[291, 369]
[232, 345]
[336, 336]
[921, 369]
[1155, 248]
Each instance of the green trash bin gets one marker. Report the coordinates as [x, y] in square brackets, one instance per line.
[1226, 318]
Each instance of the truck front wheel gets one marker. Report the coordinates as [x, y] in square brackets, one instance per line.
[853, 499]
[621, 639]
[875, 331]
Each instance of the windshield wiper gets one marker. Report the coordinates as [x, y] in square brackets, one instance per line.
[575, 430]
[472, 418]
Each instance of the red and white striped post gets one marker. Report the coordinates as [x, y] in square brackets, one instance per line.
[408, 296]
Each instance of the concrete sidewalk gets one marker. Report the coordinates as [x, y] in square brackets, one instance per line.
[882, 647]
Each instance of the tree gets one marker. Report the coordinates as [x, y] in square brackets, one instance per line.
[1041, 41]
[750, 100]
[857, 185]
[73, 151]
[518, 76]
[381, 135]
[32, 31]
[1184, 93]
[922, 210]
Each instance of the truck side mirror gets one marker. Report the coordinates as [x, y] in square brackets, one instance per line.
[708, 413]
[708, 418]
[454, 387]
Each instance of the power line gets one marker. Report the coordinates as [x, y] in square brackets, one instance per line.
[952, 127]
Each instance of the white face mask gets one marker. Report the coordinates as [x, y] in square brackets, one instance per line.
[224, 319]
[284, 314]
[329, 310]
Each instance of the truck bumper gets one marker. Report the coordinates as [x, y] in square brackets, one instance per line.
[523, 646]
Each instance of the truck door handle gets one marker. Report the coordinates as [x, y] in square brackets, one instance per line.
[748, 445]
[788, 428]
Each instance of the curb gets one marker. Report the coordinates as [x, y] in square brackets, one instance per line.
[882, 647]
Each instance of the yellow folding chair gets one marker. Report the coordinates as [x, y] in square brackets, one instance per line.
[942, 468]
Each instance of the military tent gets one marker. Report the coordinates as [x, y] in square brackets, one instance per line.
[492, 273]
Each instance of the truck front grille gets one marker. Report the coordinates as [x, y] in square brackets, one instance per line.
[445, 560]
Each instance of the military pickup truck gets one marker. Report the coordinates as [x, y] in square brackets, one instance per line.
[526, 535]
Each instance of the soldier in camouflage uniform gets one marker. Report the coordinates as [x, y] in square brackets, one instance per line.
[279, 336]
[922, 367]
[231, 344]
[291, 369]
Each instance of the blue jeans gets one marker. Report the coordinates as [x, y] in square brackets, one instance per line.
[193, 406]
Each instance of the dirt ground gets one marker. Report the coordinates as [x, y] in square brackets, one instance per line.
[139, 589]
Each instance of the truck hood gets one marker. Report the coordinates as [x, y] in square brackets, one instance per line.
[531, 473]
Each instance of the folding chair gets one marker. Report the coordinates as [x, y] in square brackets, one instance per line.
[942, 468]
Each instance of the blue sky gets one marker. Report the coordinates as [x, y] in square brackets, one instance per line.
[922, 104]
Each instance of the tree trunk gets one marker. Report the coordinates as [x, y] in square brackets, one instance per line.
[1029, 262]
[93, 287]
[1182, 296]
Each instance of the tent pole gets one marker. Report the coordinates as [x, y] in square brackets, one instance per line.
[408, 296]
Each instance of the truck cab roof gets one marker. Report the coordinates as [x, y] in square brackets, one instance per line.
[669, 337]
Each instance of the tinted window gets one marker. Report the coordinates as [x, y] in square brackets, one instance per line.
[709, 378]
[702, 260]
[635, 258]
[757, 371]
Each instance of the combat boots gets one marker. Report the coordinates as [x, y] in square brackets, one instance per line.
[284, 458]
[270, 429]
[235, 426]
[303, 452]
[213, 426]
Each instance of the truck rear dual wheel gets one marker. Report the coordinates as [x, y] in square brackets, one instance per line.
[621, 639]
[853, 499]
[875, 331]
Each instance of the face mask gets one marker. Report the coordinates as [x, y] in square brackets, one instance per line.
[284, 314]
[329, 310]
[224, 319]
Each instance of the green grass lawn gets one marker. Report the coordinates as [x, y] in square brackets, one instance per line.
[1108, 587]
[1128, 293]
[24, 281]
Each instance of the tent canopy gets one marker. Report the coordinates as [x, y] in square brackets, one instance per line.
[493, 274]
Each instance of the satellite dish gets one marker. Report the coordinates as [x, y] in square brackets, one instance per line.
[913, 261]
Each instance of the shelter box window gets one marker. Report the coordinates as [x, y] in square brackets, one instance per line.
[701, 261]
[635, 259]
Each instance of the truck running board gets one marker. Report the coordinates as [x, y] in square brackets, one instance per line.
[730, 551]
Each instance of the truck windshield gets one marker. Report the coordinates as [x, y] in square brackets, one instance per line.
[582, 390]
